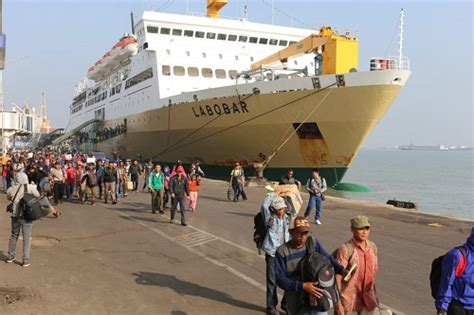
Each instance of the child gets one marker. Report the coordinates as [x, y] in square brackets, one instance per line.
[193, 191]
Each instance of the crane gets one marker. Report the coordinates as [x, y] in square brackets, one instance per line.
[335, 53]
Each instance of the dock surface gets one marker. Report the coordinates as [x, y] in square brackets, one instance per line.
[121, 259]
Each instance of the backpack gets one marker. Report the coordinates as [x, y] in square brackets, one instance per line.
[92, 179]
[29, 204]
[260, 230]
[436, 270]
[350, 249]
[316, 267]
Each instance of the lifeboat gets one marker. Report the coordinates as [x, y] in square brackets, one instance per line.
[125, 48]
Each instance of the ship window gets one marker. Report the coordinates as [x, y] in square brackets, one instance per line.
[291, 42]
[206, 72]
[117, 88]
[253, 40]
[193, 72]
[232, 74]
[308, 131]
[178, 71]
[273, 41]
[236, 57]
[165, 70]
[220, 56]
[165, 31]
[188, 33]
[220, 74]
[177, 32]
[283, 42]
[221, 36]
[243, 38]
[188, 53]
[251, 59]
[210, 35]
[232, 38]
[152, 29]
[204, 55]
[262, 40]
[199, 34]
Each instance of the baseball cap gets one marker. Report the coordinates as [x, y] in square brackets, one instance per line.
[300, 224]
[360, 222]
[278, 203]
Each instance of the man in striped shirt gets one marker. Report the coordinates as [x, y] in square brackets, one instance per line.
[288, 273]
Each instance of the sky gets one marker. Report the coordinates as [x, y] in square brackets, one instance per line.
[52, 43]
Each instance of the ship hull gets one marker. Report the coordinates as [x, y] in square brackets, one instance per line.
[304, 129]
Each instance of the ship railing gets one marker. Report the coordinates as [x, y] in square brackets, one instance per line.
[389, 63]
[270, 74]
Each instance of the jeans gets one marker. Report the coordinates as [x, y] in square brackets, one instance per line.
[101, 188]
[69, 190]
[157, 200]
[5, 185]
[239, 190]
[272, 298]
[26, 227]
[314, 202]
[58, 190]
[42, 183]
[134, 178]
[181, 200]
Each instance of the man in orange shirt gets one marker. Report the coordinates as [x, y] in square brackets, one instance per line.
[358, 295]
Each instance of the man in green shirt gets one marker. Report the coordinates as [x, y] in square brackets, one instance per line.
[156, 181]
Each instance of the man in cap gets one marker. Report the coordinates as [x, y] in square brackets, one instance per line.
[277, 222]
[359, 257]
[287, 268]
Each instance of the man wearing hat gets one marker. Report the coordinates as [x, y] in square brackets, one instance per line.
[278, 222]
[359, 256]
[287, 268]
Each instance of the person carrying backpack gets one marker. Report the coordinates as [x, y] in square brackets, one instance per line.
[455, 294]
[91, 181]
[359, 255]
[288, 258]
[277, 222]
[15, 194]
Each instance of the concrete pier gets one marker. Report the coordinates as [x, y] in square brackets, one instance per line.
[121, 259]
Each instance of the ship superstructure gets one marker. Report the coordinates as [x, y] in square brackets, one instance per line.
[221, 91]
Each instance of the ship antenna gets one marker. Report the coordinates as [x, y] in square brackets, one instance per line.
[132, 22]
[400, 42]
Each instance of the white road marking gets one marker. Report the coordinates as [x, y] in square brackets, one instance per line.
[201, 254]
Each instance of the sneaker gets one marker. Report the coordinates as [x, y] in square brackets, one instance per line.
[114, 202]
[272, 311]
[153, 211]
[171, 221]
[162, 212]
[317, 222]
[25, 263]
[184, 224]
[10, 259]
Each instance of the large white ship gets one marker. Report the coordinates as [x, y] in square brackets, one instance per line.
[221, 91]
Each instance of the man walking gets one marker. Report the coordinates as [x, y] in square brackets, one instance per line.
[278, 222]
[156, 183]
[288, 273]
[179, 189]
[110, 178]
[15, 193]
[58, 178]
[358, 295]
[456, 287]
[135, 172]
[315, 185]
[289, 179]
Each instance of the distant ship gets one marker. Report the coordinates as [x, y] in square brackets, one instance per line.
[413, 147]
[223, 91]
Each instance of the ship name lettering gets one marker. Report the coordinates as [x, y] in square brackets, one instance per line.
[220, 109]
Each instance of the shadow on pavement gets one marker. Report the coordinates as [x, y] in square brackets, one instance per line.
[188, 288]
[135, 218]
[214, 198]
[178, 313]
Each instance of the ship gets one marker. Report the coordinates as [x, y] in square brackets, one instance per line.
[221, 91]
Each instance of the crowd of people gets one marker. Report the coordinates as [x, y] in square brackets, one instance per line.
[101, 134]
[314, 281]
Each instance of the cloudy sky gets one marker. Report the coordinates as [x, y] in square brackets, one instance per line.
[51, 44]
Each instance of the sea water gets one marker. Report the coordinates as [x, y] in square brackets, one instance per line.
[438, 181]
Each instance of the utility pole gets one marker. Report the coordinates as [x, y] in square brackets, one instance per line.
[2, 66]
